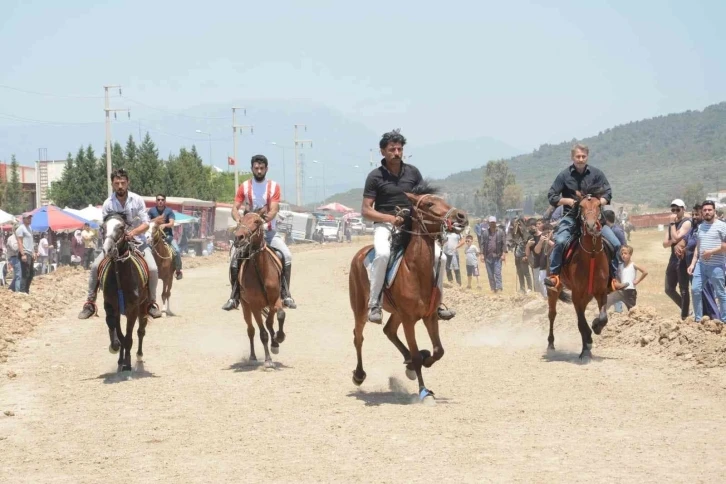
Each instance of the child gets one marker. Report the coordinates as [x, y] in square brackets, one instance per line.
[472, 261]
[626, 274]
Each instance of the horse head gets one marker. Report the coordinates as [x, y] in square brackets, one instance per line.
[249, 230]
[589, 211]
[114, 225]
[156, 233]
[433, 214]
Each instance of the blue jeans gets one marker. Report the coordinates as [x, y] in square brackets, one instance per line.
[564, 231]
[713, 275]
[494, 271]
[177, 253]
[15, 283]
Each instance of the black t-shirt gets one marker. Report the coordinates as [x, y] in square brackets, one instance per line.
[387, 190]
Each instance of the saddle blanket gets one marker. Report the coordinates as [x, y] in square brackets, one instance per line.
[137, 259]
[393, 264]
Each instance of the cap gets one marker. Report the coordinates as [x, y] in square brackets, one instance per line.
[492, 219]
[678, 203]
[27, 215]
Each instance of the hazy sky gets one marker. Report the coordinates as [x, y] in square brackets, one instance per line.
[523, 72]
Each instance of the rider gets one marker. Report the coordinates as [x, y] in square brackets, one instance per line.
[385, 188]
[169, 220]
[562, 194]
[134, 211]
[258, 193]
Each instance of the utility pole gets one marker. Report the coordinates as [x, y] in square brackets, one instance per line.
[298, 168]
[108, 131]
[371, 158]
[241, 127]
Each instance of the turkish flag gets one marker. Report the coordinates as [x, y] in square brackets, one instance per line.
[230, 161]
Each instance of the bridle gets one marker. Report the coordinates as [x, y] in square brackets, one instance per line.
[156, 236]
[114, 253]
[251, 233]
[587, 231]
[444, 223]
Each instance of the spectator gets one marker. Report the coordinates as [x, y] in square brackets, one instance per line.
[43, 252]
[89, 244]
[477, 230]
[64, 249]
[521, 263]
[77, 248]
[13, 254]
[451, 249]
[535, 231]
[709, 260]
[542, 250]
[676, 271]
[26, 249]
[627, 275]
[617, 229]
[472, 261]
[493, 253]
[685, 249]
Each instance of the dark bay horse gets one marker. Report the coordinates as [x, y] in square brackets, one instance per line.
[259, 284]
[124, 278]
[587, 274]
[414, 293]
[164, 262]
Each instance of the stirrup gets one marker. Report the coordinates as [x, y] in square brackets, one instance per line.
[554, 285]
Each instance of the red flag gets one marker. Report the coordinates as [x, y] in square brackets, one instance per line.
[230, 161]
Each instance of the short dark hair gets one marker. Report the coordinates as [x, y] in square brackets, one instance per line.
[532, 221]
[708, 202]
[258, 159]
[697, 206]
[161, 195]
[394, 136]
[469, 237]
[119, 173]
[609, 216]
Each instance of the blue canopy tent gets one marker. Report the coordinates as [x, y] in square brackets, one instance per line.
[50, 217]
[181, 218]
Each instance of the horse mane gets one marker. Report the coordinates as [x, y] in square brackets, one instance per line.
[118, 215]
[594, 189]
[425, 188]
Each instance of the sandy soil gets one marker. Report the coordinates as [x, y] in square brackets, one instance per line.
[195, 410]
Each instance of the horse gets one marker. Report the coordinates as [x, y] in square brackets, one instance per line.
[586, 273]
[124, 279]
[414, 293]
[164, 261]
[259, 280]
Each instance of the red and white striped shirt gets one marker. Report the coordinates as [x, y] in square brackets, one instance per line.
[259, 194]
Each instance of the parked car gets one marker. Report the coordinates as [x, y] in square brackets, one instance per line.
[357, 226]
[330, 229]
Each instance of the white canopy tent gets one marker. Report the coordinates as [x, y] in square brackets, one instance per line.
[5, 217]
[91, 213]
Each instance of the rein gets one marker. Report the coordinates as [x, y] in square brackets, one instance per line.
[592, 253]
[253, 252]
[158, 238]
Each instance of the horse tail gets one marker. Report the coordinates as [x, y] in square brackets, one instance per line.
[565, 296]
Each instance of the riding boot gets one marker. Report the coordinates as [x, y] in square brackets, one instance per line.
[287, 299]
[233, 300]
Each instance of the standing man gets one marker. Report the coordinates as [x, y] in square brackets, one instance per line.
[133, 208]
[25, 247]
[451, 250]
[89, 244]
[384, 192]
[169, 220]
[493, 253]
[13, 254]
[535, 231]
[563, 194]
[617, 229]
[43, 252]
[256, 193]
[677, 269]
[709, 260]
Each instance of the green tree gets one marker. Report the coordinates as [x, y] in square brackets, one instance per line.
[147, 174]
[60, 190]
[14, 190]
[512, 197]
[693, 193]
[118, 157]
[496, 178]
[131, 157]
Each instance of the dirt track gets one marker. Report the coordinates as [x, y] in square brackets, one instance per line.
[196, 411]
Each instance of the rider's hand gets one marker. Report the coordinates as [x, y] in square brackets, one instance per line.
[396, 221]
[128, 236]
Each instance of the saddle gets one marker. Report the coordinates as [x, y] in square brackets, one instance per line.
[393, 263]
[136, 258]
[572, 243]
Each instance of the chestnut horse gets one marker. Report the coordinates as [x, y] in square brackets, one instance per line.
[164, 261]
[587, 273]
[259, 284]
[125, 289]
[414, 293]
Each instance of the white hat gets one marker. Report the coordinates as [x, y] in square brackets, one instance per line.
[678, 203]
[492, 219]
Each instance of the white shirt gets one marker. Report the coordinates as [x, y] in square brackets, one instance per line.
[627, 275]
[134, 211]
[43, 247]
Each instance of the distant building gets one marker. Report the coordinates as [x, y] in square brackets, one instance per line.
[27, 182]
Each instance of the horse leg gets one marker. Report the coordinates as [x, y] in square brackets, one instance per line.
[264, 337]
[599, 323]
[585, 332]
[552, 297]
[409, 331]
[129, 340]
[274, 345]
[361, 318]
[141, 332]
[112, 321]
[432, 326]
[250, 330]
[391, 331]
[280, 336]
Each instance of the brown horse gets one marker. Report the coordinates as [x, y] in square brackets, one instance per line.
[587, 274]
[414, 293]
[124, 282]
[164, 261]
[259, 284]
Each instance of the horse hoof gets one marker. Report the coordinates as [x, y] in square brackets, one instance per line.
[410, 374]
[426, 397]
[269, 364]
[585, 356]
[113, 350]
[126, 368]
[275, 350]
[425, 354]
[358, 382]
[429, 401]
[550, 347]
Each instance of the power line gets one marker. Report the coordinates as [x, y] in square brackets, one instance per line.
[174, 113]
[40, 121]
[72, 96]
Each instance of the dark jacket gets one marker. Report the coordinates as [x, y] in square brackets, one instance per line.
[570, 181]
[484, 242]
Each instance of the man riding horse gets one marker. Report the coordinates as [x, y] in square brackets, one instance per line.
[132, 207]
[384, 196]
[161, 210]
[257, 193]
[563, 193]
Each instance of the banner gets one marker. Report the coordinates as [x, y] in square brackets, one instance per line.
[230, 161]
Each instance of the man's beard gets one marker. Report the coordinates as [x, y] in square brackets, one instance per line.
[707, 219]
[258, 178]
[121, 193]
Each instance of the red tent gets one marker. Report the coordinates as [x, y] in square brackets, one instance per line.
[335, 207]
